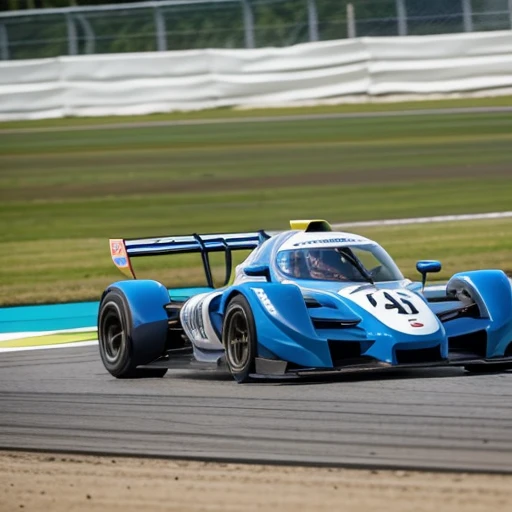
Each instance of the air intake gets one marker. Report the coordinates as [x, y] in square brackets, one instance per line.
[471, 345]
[321, 323]
[344, 352]
[418, 355]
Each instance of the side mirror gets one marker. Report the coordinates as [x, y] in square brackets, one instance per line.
[426, 266]
[258, 271]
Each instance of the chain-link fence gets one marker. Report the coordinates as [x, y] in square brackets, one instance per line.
[188, 24]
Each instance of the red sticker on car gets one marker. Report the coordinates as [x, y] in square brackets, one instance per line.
[117, 248]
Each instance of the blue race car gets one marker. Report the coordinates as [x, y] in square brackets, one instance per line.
[305, 301]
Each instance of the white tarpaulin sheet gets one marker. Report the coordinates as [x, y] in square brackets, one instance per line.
[141, 83]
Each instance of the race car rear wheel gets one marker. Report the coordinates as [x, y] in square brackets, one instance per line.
[114, 338]
[239, 338]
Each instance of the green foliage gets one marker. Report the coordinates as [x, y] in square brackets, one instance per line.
[30, 38]
[221, 25]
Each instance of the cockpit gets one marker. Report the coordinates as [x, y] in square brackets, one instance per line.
[355, 263]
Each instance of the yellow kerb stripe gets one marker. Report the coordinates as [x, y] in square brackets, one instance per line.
[52, 339]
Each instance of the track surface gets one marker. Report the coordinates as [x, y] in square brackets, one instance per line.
[63, 399]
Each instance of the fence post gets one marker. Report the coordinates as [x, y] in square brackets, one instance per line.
[401, 15]
[248, 23]
[4, 43]
[351, 21]
[467, 15]
[161, 33]
[90, 41]
[72, 42]
[312, 20]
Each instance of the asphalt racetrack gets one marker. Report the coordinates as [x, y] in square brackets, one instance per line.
[63, 400]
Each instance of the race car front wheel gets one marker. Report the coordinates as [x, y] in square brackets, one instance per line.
[239, 338]
[114, 338]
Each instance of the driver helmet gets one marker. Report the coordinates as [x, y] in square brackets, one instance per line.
[292, 262]
[326, 264]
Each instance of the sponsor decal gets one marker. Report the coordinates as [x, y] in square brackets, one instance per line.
[415, 323]
[260, 293]
[116, 248]
[120, 256]
[343, 240]
[121, 262]
[193, 319]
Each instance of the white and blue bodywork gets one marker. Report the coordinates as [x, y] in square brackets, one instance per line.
[376, 319]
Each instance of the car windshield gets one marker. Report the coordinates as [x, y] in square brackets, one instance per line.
[357, 263]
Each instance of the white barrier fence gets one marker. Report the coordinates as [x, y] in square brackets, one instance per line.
[141, 83]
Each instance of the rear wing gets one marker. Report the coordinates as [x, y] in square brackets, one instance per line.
[122, 250]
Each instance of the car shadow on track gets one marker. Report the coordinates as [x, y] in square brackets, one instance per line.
[364, 376]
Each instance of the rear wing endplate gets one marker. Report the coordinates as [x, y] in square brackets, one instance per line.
[122, 250]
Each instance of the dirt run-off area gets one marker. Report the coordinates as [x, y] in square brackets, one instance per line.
[67, 483]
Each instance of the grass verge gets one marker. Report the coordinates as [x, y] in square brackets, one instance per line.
[62, 195]
[50, 271]
[234, 113]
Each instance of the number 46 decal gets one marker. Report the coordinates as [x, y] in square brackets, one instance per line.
[403, 305]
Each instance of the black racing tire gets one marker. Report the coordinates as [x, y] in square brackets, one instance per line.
[239, 339]
[488, 368]
[115, 342]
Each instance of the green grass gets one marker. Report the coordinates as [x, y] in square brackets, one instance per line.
[63, 194]
[467, 245]
[228, 113]
[55, 271]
